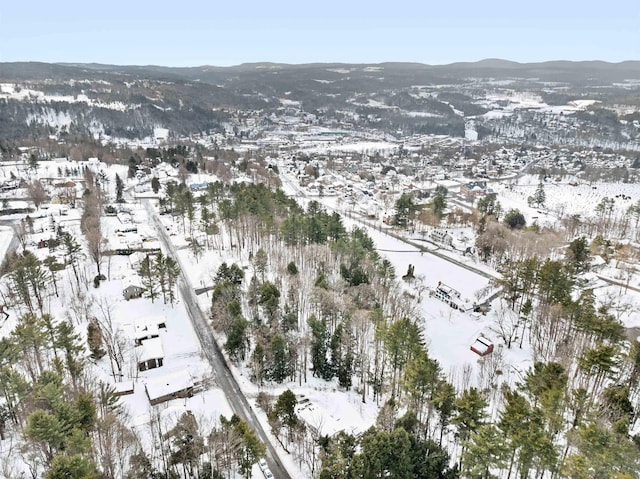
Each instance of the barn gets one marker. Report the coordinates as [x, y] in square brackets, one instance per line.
[482, 346]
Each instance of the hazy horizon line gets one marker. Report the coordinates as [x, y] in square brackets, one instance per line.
[275, 63]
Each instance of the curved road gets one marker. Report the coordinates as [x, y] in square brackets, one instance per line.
[226, 381]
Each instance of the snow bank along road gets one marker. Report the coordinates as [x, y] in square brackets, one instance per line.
[226, 381]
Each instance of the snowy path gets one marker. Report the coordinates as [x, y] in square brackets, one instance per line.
[487, 274]
[8, 240]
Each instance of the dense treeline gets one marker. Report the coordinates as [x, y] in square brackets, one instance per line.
[318, 298]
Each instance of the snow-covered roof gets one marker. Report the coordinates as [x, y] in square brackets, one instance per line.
[129, 278]
[145, 328]
[482, 345]
[135, 259]
[448, 290]
[150, 349]
[318, 419]
[123, 387]
[169, 384]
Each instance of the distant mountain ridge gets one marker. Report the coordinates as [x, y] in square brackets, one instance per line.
[129, 101]
[564, 69]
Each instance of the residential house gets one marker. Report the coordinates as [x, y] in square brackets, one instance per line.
[147, 328]
[132, 292]
[150, 354]
[474, 189]
[166, 388]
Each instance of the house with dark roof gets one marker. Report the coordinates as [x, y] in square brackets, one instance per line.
[474, 189]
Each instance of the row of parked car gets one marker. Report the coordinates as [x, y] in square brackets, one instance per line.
[265, 468]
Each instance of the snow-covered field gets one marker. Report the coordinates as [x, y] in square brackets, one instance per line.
[528, 100]
[448, 333]
[359, 146]
[12, 91]
[563, 199]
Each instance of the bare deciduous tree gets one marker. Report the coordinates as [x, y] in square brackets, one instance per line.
[36, 192]
[506, 324]
[95, 241]
[112, 336]
[90, 226]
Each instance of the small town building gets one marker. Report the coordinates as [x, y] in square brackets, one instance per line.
[442, 237]
[474, 189]
[450, 296]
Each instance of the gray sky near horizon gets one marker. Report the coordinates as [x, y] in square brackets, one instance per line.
[192, 33]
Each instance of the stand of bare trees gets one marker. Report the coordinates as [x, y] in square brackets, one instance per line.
[90, 220]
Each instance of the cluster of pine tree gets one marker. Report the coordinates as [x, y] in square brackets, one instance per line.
[349, 323]
[160, 275]
[49, 397]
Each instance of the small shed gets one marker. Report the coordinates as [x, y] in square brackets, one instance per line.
[150, 354]
[123, 388]
[166, 388]
[482, 346]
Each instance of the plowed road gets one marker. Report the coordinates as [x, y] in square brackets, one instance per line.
[225, 379]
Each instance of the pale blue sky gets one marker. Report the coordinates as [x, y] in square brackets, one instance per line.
[191, 33]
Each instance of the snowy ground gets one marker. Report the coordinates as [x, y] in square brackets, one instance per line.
[369, 147]
[448, 333]
[6, 235]
[562, 199]
[530, 101]
[182, 352]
